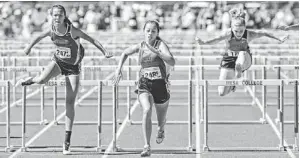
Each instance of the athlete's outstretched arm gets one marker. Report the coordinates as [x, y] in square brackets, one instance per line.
[291, 27]
[78, 33]
[36, 40]
[124, 56]
[215, 40]
[163, 52]
[260, 33]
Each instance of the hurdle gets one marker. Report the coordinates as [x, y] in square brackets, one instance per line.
[189, 148]
[55, 83]
[283, 145]
[7, 86]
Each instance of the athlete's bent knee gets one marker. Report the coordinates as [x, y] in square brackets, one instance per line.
[222, 91]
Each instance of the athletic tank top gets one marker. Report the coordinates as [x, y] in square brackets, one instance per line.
[236, 45]
[153, 67]
[67, 49]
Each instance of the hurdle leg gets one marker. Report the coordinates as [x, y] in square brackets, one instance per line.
[99, 148]
[129, 92]
[43, 120]
[278, 96]
[198, 115]
[14, 80]
[55, 104]
[296, 115]
[3, 78]
[23, 148]
[202, 90]
[190, 115]
[254, 74]
[114, 118]
[190, 108]
[205, 146]
[264, 93]
[281, 118]
[8, 117]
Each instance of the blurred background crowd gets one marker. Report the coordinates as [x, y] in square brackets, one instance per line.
[21, 19]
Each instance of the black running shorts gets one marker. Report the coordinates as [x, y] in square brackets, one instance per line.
[67, 69]
[158, 89]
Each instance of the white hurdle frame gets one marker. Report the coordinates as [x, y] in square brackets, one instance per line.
[206, 83]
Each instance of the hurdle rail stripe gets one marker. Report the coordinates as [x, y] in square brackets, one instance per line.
[58, 118]
[136, 58]
[181, 67]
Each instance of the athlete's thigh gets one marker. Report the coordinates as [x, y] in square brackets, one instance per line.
[226, 74]
[146, 100]
[52, 70]
[72, 84]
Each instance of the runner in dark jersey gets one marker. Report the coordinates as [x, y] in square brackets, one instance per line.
[66, 61]
[153, 85]
[237, 58]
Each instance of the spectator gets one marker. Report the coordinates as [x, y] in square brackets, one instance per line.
[39, 17]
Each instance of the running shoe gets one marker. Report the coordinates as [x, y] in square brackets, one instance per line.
[233, 88]
[146, 151]
[66, 148]
[160, 136]
[24, 82]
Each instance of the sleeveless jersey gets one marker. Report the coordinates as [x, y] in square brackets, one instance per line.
[153, 67]
[67, 49]
[236, 45]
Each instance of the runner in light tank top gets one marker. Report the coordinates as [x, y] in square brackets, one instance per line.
[66, 61]
[237, 57]
[152, 87]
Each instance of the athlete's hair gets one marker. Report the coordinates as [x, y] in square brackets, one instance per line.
[238, 16]
[155, 23]
[66, 20]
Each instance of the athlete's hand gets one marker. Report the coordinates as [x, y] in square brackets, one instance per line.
[117, 77]
[199, 41]
[284, 38]
[27, 50]
[282, 27]
[108, 55]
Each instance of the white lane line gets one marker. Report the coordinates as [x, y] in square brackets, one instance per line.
[271, 123]
[120, 130]
[58, 118]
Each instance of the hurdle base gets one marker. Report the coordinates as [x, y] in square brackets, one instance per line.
[205, 148]
[190, 148]
[169, 150]
[242, 149]
[295, 147]
[277, 121]
[282, 148]
[23, 149]
[263, 120]
[100, 149]
[44, 122]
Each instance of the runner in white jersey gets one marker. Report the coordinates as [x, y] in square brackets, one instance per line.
[66, 61]
[152, 87]
[237, 58]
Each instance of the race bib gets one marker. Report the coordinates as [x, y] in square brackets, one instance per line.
[63, 52]
[152, 73]
[233, 53]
